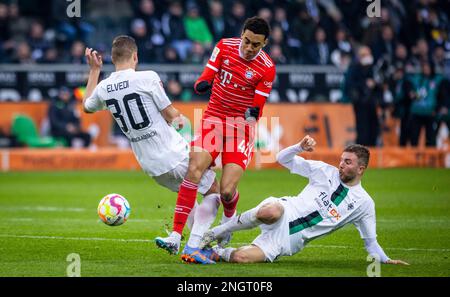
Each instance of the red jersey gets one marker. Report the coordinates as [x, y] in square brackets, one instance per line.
[237, 80]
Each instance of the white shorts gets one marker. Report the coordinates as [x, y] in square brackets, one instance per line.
[274, 239]
[173, 179]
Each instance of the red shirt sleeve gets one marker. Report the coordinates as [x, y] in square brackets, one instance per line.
[263, 88]
[213, 64]
[215, 61]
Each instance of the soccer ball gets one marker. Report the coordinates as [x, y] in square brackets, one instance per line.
[113, 209]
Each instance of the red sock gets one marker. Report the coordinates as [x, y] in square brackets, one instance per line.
[185, 202]
[229, 207]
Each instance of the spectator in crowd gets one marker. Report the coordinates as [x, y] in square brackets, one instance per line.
[18, 24]
[278, 45]
[318, 52]
[420, 52]
[174, 29]
[175, 91]
[403, 96]
[4, 22]
[423, 108]
[385, 46]
[51, 56]
[140, 34]
[65, 119]
[216, 20]
[22, 54]
[302, 31]
[438, 59]
[197, 54]
[422, 26]
[77, 53]
[235, 20]
[443, 104]
[171, 56]
[341, 54]
[277, 55]
[37, 41]
[153, 23]
[361, 89]
[280, 19]
[266, 14]
[196, 28]
[401, 58]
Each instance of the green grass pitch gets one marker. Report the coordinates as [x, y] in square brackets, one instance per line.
[47, 216]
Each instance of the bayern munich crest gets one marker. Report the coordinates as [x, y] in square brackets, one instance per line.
[249, 74]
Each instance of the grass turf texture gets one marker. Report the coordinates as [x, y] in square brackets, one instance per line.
[46, 216]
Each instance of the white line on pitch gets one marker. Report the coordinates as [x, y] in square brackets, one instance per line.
[238, 243]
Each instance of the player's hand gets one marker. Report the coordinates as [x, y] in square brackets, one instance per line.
[93, 58]
[178, 122]
[252, 114]
[202, 87]
[307, 143]
[396, 262]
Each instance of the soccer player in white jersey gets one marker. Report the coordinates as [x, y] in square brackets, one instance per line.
[333, 198]
[140, 106]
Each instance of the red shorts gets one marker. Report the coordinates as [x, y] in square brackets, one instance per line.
[233, 139]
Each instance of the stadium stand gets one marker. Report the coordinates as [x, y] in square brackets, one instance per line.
[314, 44]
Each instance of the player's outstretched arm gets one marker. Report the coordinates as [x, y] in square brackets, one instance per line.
[374, 248]
[396, 262]
[95, 63]
[286, 156]
[173, 117]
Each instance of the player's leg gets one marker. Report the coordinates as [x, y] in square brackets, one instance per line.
[203, 219]
[267, 212]
[244, 254]
[187, 194]
[187, 197]
[204, 150]
[206, 212]
[229, 195]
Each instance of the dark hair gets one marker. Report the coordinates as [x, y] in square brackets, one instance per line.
[123, 47]
[361, 152]
[425, 62]
[258, 26]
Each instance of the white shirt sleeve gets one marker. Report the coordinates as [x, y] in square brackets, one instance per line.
[94, 102]
[374, 249]
[366, 225]
[296, 164]
[367, 229]
[158, 94]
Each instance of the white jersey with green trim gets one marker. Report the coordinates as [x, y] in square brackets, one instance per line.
[326, 204]
[135, 100]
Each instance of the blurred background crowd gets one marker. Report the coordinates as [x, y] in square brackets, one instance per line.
[397, 62]
[314, 32]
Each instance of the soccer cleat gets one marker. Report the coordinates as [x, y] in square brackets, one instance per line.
[222, 241]
[169, 244]
[207, 239]
[199, 256]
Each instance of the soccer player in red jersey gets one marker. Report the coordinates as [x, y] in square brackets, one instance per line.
[240, 74]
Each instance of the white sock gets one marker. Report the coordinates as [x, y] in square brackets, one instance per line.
[226, 219]
[226, 253]
[246, 220]
[191, 218]
[175, 235]
[205, 215]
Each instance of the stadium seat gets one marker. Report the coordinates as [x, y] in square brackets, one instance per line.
[24, 128]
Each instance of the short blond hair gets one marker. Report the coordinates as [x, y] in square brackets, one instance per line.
[123, 47]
